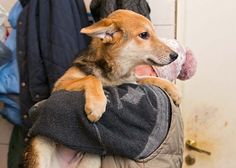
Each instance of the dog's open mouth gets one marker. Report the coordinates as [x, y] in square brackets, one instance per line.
[152, 62]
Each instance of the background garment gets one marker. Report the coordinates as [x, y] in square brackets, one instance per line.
[5, 54]
[9, 93]
[11, 110]
[48, 39]
[9, 75]
[3, 16]
[47, 56]
[24, 2]
[102, 8]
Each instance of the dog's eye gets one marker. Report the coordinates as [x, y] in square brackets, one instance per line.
[144, 35]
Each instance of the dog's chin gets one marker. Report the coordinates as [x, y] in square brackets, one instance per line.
[154, 63]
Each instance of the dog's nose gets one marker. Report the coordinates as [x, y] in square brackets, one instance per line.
[173, 55]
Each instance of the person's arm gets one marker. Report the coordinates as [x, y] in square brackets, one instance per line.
[135, 116]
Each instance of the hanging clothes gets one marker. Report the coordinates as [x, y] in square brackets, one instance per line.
[48, 39]
[5, 54]
[3, 31]
[9, 75]
[102, 8]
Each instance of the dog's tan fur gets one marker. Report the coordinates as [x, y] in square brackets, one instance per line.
[120, 42]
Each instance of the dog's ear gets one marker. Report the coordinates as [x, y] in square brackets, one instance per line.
[104, 29]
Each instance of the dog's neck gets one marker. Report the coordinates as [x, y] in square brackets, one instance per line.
[114, 72]
[103, 63]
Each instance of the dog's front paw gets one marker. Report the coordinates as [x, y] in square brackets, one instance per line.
[95, 106]
[174, 93]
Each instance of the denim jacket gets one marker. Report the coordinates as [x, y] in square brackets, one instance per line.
[9, 75]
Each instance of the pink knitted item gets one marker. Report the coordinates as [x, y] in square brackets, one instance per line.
[183, 68]
[189, 67]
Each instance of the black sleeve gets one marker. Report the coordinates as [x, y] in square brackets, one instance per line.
[102, 8]
[135, 116]
[24, 2]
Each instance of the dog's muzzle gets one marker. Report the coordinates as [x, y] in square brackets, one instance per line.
[173, 56]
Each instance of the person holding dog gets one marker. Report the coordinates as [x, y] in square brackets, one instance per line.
[141, 127]
[147, 132]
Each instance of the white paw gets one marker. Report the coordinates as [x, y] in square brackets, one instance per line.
[95, 107]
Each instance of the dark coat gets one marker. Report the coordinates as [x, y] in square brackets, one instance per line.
[48, 39]
[9, 75]
[102, 8]
[24, 2]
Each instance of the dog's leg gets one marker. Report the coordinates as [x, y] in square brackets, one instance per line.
[71, 75]
[40, 153]
[164, 84]
[95, 99]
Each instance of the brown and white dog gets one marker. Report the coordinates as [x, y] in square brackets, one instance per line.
[120, 42]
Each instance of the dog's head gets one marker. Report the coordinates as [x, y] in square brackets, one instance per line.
[131, 38]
